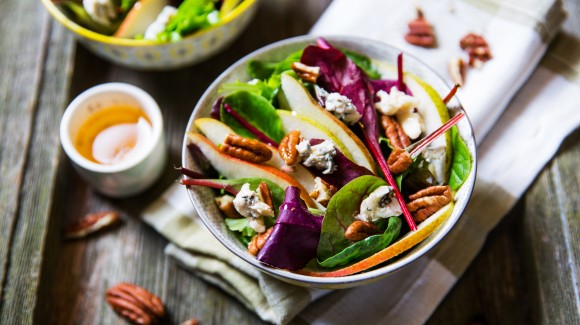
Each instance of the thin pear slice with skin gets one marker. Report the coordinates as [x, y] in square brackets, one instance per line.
[143, 14]
[434, 113]
[234, 168]
[300, 101]
[309, 129]
[405, 243]
[216, 131]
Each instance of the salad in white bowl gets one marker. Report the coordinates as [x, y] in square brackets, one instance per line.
[327, 163]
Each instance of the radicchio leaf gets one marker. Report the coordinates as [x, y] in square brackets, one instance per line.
[337, 72]
[295, 237]
[346, 170]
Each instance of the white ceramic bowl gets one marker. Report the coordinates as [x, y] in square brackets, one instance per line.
[149, 55]
[212, 217]
[128, 177]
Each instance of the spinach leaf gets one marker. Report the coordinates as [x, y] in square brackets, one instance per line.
[257, 111]
[191, 15]
[259, 88]
[364, 63]
[366, 247]
[126, 5]
[340, 213]
[461, 163]
[266, 70]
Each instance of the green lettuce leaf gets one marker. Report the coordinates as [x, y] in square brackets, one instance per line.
[342, 208]
[461, 163]
[257, 111]
[191, 15]
[366, 247]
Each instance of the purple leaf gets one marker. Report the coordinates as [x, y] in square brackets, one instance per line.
[346, 170]
[216, 109]
[294, 240]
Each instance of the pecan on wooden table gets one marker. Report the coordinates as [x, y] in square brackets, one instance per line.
[135, 304]
[91, 223]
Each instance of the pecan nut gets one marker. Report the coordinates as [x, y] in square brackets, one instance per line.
[91, 223]
[226, 205]
[457, 70]
[428, 201]
[394, 132]
[258, 241]
[135, 304]
[322, 191]
[265, 194]
[399, 160]
[193, 321]
[287, 148]
[421, 32]
[477, 48]
[306, 72]
[246, 149]
[359, 230]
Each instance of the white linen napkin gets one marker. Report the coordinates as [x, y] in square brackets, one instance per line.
[514, 144]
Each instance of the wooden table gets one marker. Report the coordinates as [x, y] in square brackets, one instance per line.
[526, 272]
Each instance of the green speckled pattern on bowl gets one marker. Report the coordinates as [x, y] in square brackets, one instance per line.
[202, 198]
[149, 55]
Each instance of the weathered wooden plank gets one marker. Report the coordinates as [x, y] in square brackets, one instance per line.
[552, 238]
[30, 90]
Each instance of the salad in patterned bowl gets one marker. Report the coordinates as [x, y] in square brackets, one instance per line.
[327, 162]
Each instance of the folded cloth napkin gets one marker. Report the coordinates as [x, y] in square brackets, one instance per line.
[514, 144]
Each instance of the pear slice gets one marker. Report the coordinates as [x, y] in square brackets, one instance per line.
[309, 129]
[143, 14]
[216, 132]
[234, 168]
[300, 101]
[435, 113]
[405, 243]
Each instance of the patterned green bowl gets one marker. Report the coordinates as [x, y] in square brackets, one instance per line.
[150, 55]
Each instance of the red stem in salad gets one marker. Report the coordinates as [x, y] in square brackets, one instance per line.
[259, 134]
[209, 183]
[400, 82]
[190, 173]
[419, 146]
[375, 149]
[451, 93]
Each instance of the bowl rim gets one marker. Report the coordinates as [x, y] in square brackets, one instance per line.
[111, 40]
[362, 277]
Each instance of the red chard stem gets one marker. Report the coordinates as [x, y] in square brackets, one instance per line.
[190, 173]
[400, 82]
[209, 183]
[451, 93]
[259, 134]
[376, 151]
[423, 143]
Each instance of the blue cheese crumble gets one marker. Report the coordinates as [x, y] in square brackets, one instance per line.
[249, 204]
[320, 156]
[381, 203]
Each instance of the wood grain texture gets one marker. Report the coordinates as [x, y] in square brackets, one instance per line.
[32, 94]
[77, 274]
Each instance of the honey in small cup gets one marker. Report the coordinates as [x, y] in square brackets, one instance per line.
[113, 133]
